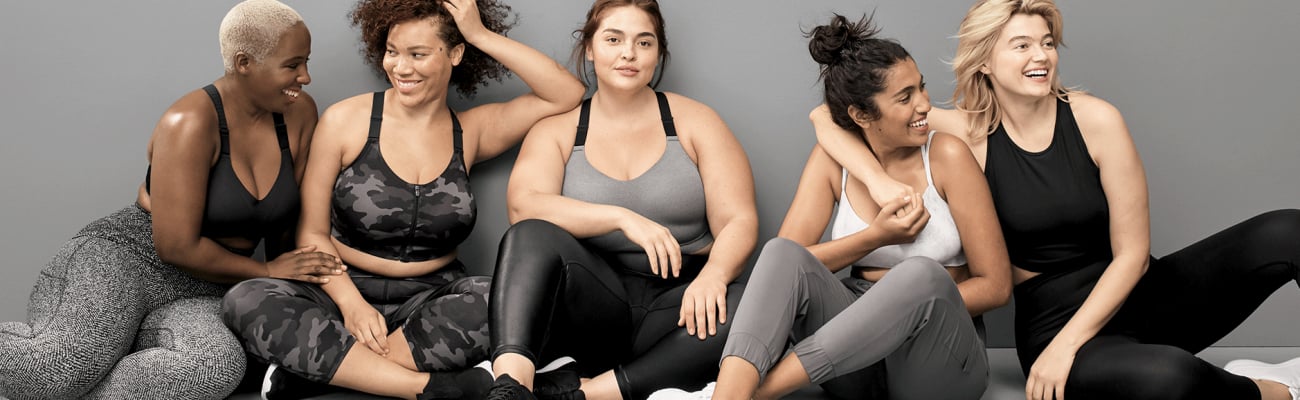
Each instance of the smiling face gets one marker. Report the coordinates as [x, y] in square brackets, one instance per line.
[624, 50]
[418, 62]
[903, 107]
[1023, 61]
[278, 78]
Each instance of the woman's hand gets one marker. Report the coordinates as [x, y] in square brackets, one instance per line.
[305, 264]
[901, 219]
[660, 246]
[1048, 374]
[465, 13]
[366, 324]
[704, 304]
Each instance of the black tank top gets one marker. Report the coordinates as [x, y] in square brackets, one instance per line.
[230, 210]
[1053, 211]
[376, 212]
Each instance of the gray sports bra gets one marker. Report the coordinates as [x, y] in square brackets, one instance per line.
[669, 193]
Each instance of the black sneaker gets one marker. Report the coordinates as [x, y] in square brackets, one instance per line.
[280, 384]
[559, 380]
[507, 388]
[470, 384]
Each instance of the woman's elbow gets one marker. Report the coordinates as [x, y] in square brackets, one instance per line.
[169, 250]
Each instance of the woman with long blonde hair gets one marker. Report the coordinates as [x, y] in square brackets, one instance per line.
[1097, 316]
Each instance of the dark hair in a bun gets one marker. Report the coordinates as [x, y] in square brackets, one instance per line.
[854, 65]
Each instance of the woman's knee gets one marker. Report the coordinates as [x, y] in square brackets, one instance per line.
[1278, 230]
[781, 256]
[1145, 372]
[531, 234]
[924, 276]
[246, 297]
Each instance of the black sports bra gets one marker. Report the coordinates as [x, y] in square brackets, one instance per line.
[1051, 204]
[376, 212]
[230, 210]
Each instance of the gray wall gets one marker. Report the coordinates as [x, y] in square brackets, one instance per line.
[1208, 89]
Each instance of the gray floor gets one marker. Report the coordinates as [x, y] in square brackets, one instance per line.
[1005, 380]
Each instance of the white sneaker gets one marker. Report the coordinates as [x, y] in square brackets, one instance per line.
[556, 364]
[1286, 372]
[677, 394]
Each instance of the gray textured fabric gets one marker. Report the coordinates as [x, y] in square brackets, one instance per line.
[913, 319]
[85, 316]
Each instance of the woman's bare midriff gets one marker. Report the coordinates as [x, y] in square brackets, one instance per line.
[354, 258]
[959, 273]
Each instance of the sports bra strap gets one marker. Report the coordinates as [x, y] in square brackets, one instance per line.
[455, 130]
[666, 114]
[281, 131]
[221, 117]
[376, 115]
[925, 159]
[584, 115]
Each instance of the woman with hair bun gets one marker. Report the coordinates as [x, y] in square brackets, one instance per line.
[387, 191]
[900, 326]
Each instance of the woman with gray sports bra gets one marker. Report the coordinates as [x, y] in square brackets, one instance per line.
[388, 190]
[900, 326]
[634, 214]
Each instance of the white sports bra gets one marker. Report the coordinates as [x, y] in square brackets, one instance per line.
[938, 240]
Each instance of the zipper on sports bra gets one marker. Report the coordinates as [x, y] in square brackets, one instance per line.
[410, 233]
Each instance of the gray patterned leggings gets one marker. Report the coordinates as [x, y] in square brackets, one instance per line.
[297, 326]
[108, 319]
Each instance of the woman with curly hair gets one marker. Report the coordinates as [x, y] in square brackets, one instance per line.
[634, 214]
[387, 191]
[128, 308]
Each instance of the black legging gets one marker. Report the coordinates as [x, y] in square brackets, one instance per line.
[553, 296]
[1186, 301]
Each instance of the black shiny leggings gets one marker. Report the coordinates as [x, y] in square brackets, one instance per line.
[1186, 301]
[552, 296]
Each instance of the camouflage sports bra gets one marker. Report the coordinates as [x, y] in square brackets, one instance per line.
[377, 212]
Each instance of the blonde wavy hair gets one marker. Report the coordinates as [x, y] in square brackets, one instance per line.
[976, 38]
[254, 27]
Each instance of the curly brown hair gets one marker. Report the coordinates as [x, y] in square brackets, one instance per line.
[376, 18]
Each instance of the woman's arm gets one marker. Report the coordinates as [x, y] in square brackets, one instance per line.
[958, 178]
[306, 113]
[499, 126]
[814, 205]
[181, 155]
[1124, 181]
[850, 150]
[732, 214]
[337, 125]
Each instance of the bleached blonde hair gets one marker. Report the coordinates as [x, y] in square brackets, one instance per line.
[254, 27]
[976, 38]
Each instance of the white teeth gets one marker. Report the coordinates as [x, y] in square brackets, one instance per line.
[1036, 73]
[920, 123]
[290, 93]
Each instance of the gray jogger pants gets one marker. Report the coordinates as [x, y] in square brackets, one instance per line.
[913, 320]
[109, 319]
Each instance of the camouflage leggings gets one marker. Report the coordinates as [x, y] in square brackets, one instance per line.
[298, 326]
